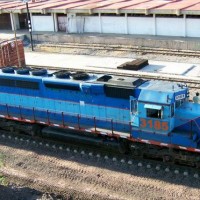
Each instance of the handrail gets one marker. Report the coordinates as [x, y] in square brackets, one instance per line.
[62, 122]
[50, 111]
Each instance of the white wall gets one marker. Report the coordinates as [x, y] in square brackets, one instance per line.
[42, 23]
[141, 25]
[170, 26]
[86, 24]
[192, 27]
[16, 18]
[80, 22]
[113, 25]
[71, 23]
[122, 25]
[92, 24]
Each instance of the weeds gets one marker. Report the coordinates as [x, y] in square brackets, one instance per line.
[3, 180]
[1, 160]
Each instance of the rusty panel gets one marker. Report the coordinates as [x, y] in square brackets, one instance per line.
[8, 53]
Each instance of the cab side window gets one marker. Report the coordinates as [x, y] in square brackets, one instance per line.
[134, 106]
[179, 103]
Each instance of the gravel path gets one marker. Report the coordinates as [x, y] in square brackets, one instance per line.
[83, 177]
[118, 54]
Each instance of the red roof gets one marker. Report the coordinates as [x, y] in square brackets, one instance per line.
[154, 6]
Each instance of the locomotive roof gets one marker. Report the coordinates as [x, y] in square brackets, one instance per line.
[110, 80]
[158, 85]
[160, 91]
[120, 81]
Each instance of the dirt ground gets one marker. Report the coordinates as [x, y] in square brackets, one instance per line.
[44, 173]
[14, 192]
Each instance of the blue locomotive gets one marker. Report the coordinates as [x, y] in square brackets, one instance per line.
[145, 117]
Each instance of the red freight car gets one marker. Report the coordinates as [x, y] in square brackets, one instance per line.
[9, 55]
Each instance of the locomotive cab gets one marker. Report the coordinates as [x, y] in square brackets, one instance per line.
[153, 114]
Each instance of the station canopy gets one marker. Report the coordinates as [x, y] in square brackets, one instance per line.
[165, 7]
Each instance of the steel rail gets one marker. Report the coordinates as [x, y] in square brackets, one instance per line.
[192, 82]
[129, 48]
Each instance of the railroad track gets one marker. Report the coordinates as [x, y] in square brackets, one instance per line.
[88, 152]
[192, 82]
[124, 48]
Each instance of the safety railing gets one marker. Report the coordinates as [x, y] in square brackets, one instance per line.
[64, 119]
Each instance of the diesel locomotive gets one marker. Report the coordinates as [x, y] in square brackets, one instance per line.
[146, 118]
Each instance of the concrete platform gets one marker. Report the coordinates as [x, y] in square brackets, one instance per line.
[88, 62]
[178, 43]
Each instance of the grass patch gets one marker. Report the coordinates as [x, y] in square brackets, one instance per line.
[3, 180]
[1, 160]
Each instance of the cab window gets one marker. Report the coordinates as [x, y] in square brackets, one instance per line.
[153, 111]
[179, 103]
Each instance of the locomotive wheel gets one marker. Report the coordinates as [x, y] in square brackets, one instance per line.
[123, 147]
[11, 129]
[167, 158]
[36, 130]
[197, 164]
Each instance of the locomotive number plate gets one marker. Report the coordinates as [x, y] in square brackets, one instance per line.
[179, 97]
[154, 124]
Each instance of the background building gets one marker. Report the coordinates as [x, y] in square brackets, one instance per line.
[136, 17]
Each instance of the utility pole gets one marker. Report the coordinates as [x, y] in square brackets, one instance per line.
[14, 27]
[29, 22]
